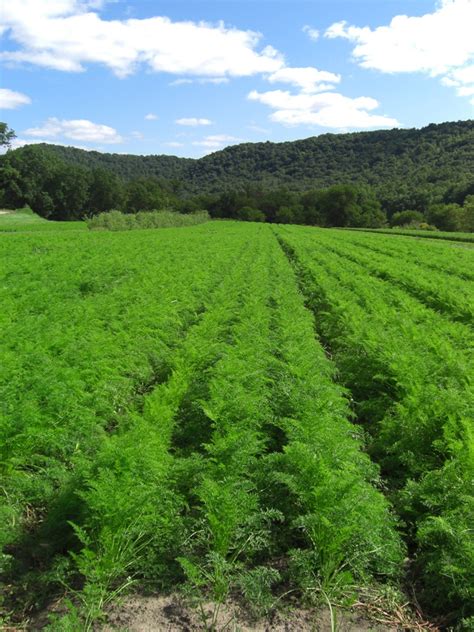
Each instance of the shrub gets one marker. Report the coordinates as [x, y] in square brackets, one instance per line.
[115, 220]
[249, 214]
[402, 218]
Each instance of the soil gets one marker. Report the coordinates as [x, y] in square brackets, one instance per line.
[170, 614]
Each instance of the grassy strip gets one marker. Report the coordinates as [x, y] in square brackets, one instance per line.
[24, 220]
[115, 220]
[413, 394]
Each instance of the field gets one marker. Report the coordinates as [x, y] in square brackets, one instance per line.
[250, 413]
[467, 238]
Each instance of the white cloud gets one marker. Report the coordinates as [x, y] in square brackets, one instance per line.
[150, 117]
[308, 79]
[439, 44]
[216, 141]
[193, 122]
[137, 135]
[181, 82]
[311, 32]
[68, 35]
[187, 81]
[328, 109]
[174, 143]
[9, 99]
[79, 129]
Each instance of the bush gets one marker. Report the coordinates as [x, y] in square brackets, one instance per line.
[402, 218]
[115, 220]
[249, 214]
[445, 217]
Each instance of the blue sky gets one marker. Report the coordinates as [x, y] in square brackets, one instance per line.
[189, 77]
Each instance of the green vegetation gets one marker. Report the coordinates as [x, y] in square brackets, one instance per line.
[25, 220]
[415, 178]
[410, 371]
[115, 220]
[237, 409]
[442, 235]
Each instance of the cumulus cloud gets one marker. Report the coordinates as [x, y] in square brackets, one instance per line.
[308, 79]
[193, 122]
[150, 117]
[9, 99]
[328, 109]
[217, 141]
[68, 35]
[79, 129]
[311, 32]
[439, 44]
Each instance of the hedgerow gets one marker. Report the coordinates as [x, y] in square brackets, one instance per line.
[115, 220]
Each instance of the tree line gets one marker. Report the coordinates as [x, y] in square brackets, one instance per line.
[64, 183]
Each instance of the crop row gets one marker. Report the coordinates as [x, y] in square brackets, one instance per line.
[438, 290]
[88, 324]
[410, 373]
[437, 256]
[173, 417]
[247, 450]
[426, 234]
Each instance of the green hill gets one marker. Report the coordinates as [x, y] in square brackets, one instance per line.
[436, 156]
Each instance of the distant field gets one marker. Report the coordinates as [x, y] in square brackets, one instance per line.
[14, 221]
[269, 414]
[427, 234]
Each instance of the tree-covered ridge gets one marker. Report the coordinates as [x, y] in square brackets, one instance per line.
[435, 157]
[417, 178]
[126, 166]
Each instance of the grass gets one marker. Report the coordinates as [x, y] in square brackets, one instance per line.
[24, 220]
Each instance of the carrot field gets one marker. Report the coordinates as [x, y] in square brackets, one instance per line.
[266, 413]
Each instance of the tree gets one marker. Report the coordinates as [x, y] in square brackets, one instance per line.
[311, 203]
[249, 214]
[445, 216]
[467, 214]
[6, 135]
[69, 190]
[403, 218]
[145, 194]
[350, 205]
[106, 191]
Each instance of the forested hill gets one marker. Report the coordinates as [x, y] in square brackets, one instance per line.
[436, 156]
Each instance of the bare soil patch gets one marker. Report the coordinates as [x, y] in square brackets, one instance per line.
[171, 614]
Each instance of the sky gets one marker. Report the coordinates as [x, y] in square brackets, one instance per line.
[189, 77]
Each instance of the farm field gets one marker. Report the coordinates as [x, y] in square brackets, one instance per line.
[264, 414]
[425, 234]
